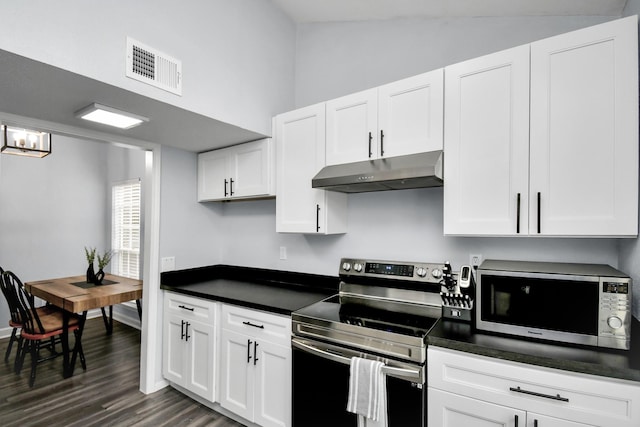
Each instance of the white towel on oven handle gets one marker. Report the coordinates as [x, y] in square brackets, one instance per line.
[368, 392]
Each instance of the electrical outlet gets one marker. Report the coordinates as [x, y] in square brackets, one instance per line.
[475, 260]
[283, 252]
[167, 263]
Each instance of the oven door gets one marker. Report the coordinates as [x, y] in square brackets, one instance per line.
[321, 387]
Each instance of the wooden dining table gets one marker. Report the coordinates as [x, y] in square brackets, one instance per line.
[74, 295]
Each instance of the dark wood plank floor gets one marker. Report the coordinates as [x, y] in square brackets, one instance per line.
[106, 394]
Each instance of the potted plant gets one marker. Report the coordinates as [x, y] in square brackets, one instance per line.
[90, 253]
[103, 261]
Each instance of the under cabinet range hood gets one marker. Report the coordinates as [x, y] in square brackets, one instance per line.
[393, 173]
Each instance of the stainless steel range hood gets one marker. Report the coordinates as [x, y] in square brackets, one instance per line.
[393, 173]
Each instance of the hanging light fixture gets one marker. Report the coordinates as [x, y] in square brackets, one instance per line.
[25, 142]
[110, 116]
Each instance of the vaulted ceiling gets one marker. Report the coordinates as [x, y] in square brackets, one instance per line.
[361, 10]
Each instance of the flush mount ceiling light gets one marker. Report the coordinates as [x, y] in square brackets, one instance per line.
[110, 116]
[25, 142]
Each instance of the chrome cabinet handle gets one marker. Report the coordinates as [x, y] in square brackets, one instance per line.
[225, 188]
[185, 308]
[231, 186]
[381, 143]
[186, 333]
[249, 350]
[253, 324]
[370, 138]
[535, 393]
[317, 218]
[182, 331]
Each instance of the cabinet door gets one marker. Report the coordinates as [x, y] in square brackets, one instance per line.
[236, 373]
[272, 385]
[537, 420]
[250, 167]
[300, 144]
[453, 410]
[212, 174]
[174, 349]
[200, 341]
[410, 115]
[584, 131]
[486, 144]
[352, 124]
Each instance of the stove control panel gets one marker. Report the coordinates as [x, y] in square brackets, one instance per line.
[413, 271]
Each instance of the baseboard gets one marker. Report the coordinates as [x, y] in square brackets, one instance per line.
[5, 332]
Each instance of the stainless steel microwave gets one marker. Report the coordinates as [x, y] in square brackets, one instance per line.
[586, 304]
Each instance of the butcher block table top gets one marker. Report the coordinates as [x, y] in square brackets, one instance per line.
[75, 295]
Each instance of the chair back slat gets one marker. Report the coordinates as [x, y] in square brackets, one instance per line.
[11, 297]
[27, 311]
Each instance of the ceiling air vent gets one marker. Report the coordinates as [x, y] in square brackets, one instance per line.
[150, 66]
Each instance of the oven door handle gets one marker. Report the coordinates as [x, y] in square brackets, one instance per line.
[413, 375]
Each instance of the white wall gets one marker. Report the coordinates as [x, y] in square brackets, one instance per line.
[190, 231]
[398, 225]
[237, 55]
[335, 59]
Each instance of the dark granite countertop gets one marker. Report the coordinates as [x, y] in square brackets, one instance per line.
[622, 364]
[271, 290]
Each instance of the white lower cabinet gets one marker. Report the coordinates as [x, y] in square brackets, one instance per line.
[476, 391]
[454, 410]
[189, 344]
[255, 366]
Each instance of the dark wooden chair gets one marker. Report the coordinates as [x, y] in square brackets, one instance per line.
[15, 321]
[39, 327]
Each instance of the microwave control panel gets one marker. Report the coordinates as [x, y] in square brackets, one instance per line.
[615, 312]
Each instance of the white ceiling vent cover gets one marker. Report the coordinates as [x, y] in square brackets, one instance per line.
[150, 66]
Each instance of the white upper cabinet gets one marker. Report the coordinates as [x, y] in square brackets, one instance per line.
[238, 172]
[562, 161]
[486, 161]
[300, 152]
[410, 115]
[584, 132]
[352, 123]
[403, 117]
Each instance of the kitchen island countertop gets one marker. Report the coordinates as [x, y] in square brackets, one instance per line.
[621, 364]
[275, 291]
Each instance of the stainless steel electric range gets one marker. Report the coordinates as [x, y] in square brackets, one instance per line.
[383, 311]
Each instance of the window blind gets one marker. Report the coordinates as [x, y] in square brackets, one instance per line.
[125, 241]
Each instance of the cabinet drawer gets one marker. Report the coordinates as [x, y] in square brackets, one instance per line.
[190, 307]
[584, 398]
[259, 324]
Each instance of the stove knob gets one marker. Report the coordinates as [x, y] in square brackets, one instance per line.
[614, 322]
[436, 273]
[346, 266]
[421, 272]
[357, 267]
